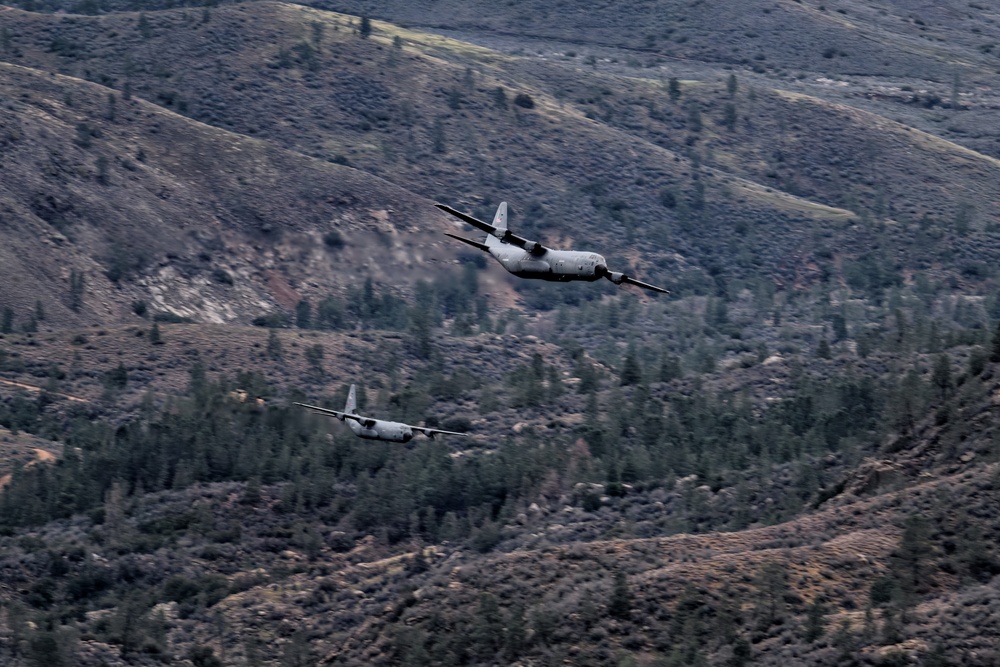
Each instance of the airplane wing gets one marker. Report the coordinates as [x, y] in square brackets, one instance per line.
[475, 222]
[505, 235]
[429, 432]
[367, 422]
[639, 283]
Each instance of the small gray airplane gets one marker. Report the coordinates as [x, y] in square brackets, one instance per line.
[530, 259]
[375, 429]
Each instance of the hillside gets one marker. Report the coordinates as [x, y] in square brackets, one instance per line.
[296, 522]
[337, 565]
[883, 37]
[780, 177]
[147, 206]
[208, 213]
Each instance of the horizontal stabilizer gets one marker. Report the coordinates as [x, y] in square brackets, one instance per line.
[474, 244]
[475, 222]
[367, 422]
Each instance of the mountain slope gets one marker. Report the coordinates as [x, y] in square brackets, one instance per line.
[597, 159]
[147, 205]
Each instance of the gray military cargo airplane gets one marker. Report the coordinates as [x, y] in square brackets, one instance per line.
[376, 429]
[530, 259]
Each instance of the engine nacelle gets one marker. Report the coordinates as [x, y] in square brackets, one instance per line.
[533, 248]
[616, 277]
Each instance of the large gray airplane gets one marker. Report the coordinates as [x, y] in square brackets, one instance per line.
[375, 429]
[530, 259]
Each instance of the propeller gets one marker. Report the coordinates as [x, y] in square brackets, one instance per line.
[617, 277]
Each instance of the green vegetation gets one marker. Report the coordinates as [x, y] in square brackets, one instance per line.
[827, 348]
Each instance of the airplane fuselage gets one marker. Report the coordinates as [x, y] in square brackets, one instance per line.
[382, 430]
[555, 265]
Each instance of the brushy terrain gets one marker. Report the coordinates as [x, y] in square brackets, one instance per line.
[208, 213]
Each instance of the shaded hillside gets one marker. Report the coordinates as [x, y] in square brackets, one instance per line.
[109, 202]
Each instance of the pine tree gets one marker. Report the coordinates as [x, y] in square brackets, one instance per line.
[670, 368]
[674, 89]
[117, 378]
[815, 621]
[499, 98]
[76, 285]
[631, 373]
[694, 117]
[17, 627]
[44, 649]
[365, 30]
[437, 136]
[274, 349]
[488, 627]
[303, 314]
[844, 638]
[729, 116]
[515, 633]
[144, 28]
[941, 375]
[909, 401]
[129, 623]
[909, 561]
[252, 492]
[197, 379]
[742, 653]
[620, 602]
[995, 354]
[772, 584]
[314, 356]
[155, 338]
[868, 628]
[114, 513]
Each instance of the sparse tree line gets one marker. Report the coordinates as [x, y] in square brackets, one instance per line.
[636, 430]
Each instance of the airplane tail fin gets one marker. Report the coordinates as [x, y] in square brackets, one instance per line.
[500, 222]
[352, 401]
[500, 219]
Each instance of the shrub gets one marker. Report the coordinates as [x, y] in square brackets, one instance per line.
[171, 318]
[272, 321]
[524, 101]
[333, 239]
[221, 276]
